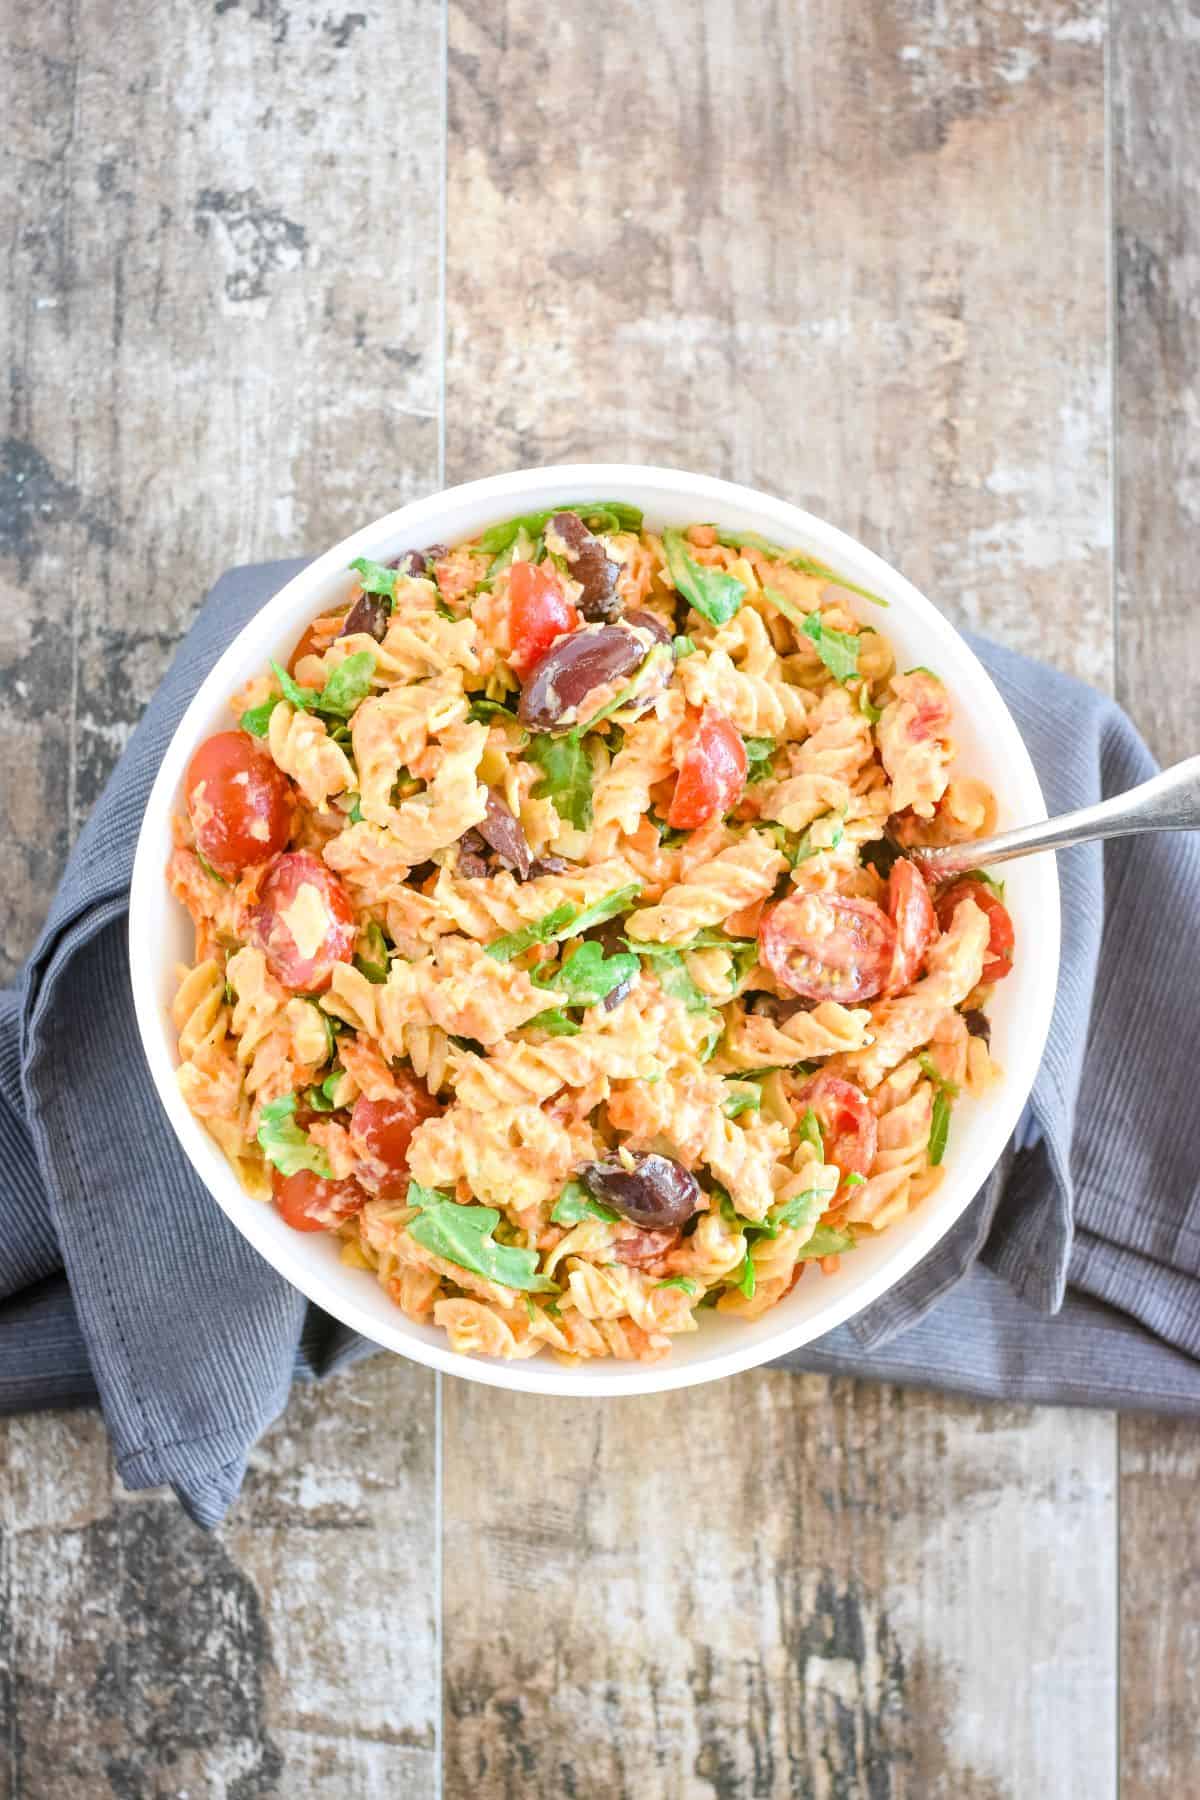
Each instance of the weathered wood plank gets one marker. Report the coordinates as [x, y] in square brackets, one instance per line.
[856, 255]
[292, 1651]
[1156, 89]
[221, 311]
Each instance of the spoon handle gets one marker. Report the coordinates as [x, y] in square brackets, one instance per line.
[1167, 802]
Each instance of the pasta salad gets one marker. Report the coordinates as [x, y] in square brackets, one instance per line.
[556, 948]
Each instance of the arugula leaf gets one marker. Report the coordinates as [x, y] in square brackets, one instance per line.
[512, 943]
[795, 559]
[463, 1235]
[300, 697]
[555, 1023]
[597, 515]
[787, 607]
[810, 1132]
[854, 1179]
[285, 1145]
[605, 908]
[759, 751]
[655, 655]
[939, 1130]
[323, 1098]
[256, 719]
[743, 1099]
[802, 1209]
[746, 1276]
[674, 979]
[683, 646]
[575, 1203]
[372, 957]
[804, 846]
[990, 881]
[838, 650]
[355, 815]
[349, 683]
[826, 1240]
[715, 595]
[374, 578]
[587, 975]
[210, 871]
[480, 711]
[871, 713]
[680, 1281]
[566, 776]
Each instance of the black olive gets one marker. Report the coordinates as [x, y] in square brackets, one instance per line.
[978, 1024]
[590, 565]
[503, 832]
[471, 857]
[648, 621]
[568, 672]
[656, 1192]
[369, 614]
[549, 865]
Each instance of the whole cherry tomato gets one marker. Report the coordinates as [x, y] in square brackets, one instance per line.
[305, 922]
[241, 806]
[308, 1202]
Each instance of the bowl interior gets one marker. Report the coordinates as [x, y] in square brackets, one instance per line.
[161, 934]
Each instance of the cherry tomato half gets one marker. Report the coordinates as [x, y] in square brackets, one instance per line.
[911, 911]
[827, 948]
[380, 1133]
[712, 775]
[241, 806]
[1000, 942]
[306, 1202]
[304, 921]
[846, 1120]
[538, 612]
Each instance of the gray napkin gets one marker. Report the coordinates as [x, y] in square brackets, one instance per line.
[1074, 1276]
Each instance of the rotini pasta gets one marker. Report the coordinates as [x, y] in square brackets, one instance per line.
[552, 948]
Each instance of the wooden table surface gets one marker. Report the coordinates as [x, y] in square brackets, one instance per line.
[928, 269]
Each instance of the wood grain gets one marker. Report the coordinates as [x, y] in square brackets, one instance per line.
[858, 256]
[221, 317]
[1156, 90]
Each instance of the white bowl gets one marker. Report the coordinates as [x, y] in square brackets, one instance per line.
[160, 933]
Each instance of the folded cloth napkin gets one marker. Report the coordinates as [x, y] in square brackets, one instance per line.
[1074, 1276]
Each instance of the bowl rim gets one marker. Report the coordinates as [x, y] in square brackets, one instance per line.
[708, 495]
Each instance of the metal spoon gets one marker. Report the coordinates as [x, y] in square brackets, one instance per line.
[1168, 802]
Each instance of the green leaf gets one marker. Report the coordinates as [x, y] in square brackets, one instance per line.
[939, 1130]
[285, 1145]
[355, 815]
[920, 669]
[804, 846]
[654, 657]
[256, 719]
[869, 712]
[587, 975]
[372, 957]
[990, 881]
[746, 1279]
[810, 1132]
[683, 646]
[597, 515]
[674, 979]
[680, 1281]
[539, 932]
[575, 1203]
[463, 1235]
[605, 908]
[480, 711]
[838, 650]
[715, 595]
[802, 1209]
[795, 559]
[349, 683]
[745, 1098]
[826, 1240]
[566, 777]
[300, 697]
[759, 751]
[374, 578]
[854, 1179]
[787, 607]
[555, 1022]
[210, 871]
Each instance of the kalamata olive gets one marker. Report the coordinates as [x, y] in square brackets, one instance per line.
[648, 621]
[615, 995]
[549, 865]
[770, 1006]
[589, 563]
[656, 1192]
[566, 675]
[369, 614]
[978, 1024]
[503, 832]
[471, 857]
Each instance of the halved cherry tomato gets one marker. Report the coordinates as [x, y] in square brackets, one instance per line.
[538, 612]
[911, 912]
[846, 1120]
[380, 1133]
[307, 1202]
[1000, 942]
[241, 806]
[304, 921]
[712, 773]
[828, 948]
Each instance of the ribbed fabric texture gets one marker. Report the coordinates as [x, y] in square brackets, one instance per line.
[1074, 1276]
